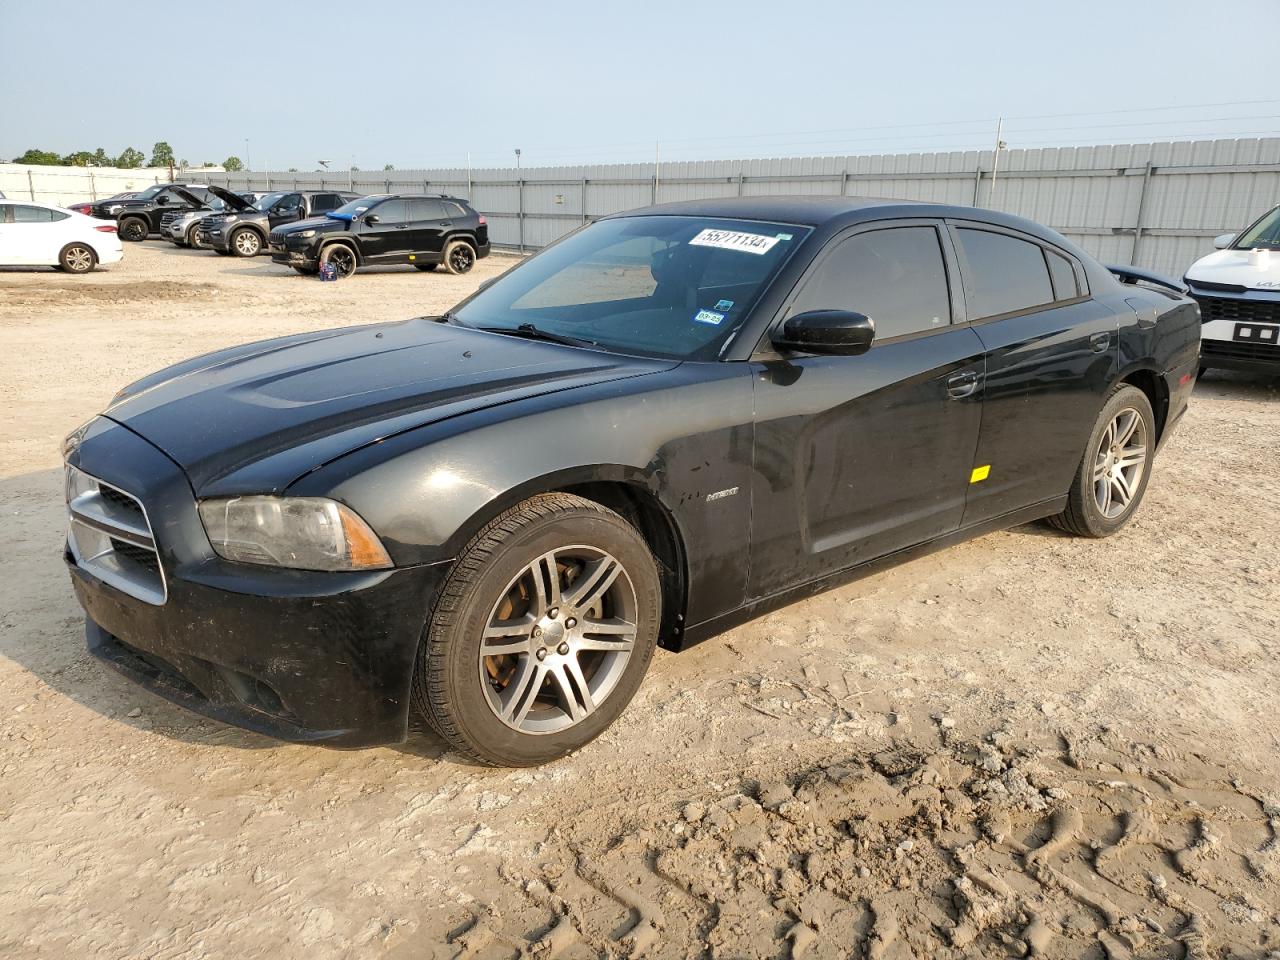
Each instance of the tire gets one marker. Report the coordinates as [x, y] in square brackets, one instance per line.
[342, 257]
[77, 258]
[245, 242]
[192, 242]
[459, 256]
[134, 229]
[426, 267]
[520, 707]
[1096, 504]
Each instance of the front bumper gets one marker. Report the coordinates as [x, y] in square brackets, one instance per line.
[1254, 314]
[296, 655]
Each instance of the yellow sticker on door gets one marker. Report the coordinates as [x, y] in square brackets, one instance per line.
[980, 473]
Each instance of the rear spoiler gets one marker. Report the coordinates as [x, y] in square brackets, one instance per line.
[1136, 275]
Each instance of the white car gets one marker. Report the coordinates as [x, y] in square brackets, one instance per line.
[1238, 289]
[35, 234]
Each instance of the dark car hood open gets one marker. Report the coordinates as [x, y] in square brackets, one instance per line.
[232, 200]
[253, 419]
[312, 223]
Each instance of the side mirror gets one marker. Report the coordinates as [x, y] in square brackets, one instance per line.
[1222, 241]
[370, 218]
[161, 200]
[837, 332]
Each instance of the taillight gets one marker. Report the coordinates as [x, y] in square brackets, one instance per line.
[106, 228]
[483, 221]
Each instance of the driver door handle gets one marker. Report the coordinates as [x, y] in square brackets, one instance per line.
[962, 384]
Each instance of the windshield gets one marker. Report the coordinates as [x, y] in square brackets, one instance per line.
[1264, 234]
[150, 192]
[356, 207]
[265, 202]
[673, 287]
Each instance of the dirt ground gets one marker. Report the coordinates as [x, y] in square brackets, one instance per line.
[1029, 744]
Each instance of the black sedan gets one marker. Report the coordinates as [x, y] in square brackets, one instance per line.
[661, 426]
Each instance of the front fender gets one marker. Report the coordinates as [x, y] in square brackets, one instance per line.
[685, 436]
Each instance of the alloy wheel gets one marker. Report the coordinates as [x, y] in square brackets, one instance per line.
[558, 640]
[247, 243]
[1119, 462]
[461, 258]
[343, 260]
[79, 259]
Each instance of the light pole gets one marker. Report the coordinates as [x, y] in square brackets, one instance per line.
[517, 159]
[247, 165]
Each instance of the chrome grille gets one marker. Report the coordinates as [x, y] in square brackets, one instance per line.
[110, 537]
[169, 216]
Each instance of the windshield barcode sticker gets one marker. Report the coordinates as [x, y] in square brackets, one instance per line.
[734, 240]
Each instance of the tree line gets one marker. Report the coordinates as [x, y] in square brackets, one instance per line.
[129, 158]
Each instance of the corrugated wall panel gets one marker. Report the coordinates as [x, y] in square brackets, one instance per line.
[1092, 194]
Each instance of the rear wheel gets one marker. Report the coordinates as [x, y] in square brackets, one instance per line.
[245, 242]
[77, 258]
[1113, 473]
[541, 634]
[342, 257]
[134, 229]
[459, 256]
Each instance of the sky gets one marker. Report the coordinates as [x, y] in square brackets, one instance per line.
[420, 85]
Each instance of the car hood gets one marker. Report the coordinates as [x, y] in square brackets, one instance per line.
[1258, 269]
[233, 201]
[253, 419]
[313, 223]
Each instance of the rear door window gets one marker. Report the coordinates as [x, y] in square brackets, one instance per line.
[1004, 274]
[324, 202]
[897, 277]
[26, 214]
[420, 210]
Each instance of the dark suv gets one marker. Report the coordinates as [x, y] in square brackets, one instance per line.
[416, 229]
[139, 217]
[244, 233]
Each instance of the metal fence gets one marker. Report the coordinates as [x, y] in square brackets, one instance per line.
[1153, 205]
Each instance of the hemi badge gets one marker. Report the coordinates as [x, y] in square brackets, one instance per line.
[980, 473]
[721, 494]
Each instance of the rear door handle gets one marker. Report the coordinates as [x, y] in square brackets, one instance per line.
[962, 384]
[1099, 342]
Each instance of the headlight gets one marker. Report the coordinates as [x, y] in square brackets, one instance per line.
[230, 217]
[303, 234]
[304, 533]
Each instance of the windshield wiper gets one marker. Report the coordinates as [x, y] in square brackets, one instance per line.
[530, 332]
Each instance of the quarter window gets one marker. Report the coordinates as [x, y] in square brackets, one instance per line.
[1064, 276]
[454, 210]
[896, 277]
[1005, 274]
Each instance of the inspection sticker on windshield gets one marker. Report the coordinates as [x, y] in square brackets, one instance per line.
[708, 316]
[734, 240]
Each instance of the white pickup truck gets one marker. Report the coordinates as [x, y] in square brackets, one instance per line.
[1238, 289]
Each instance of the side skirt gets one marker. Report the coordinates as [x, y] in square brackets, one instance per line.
[756, 608]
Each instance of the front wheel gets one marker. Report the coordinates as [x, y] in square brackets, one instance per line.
[77, 258]
[194, 241]
[134, 229]
[246, 242]
[459, 256]
[342, 257]
[542, 633]
[1113, 473]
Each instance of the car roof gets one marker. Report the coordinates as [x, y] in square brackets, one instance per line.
[836, 212]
